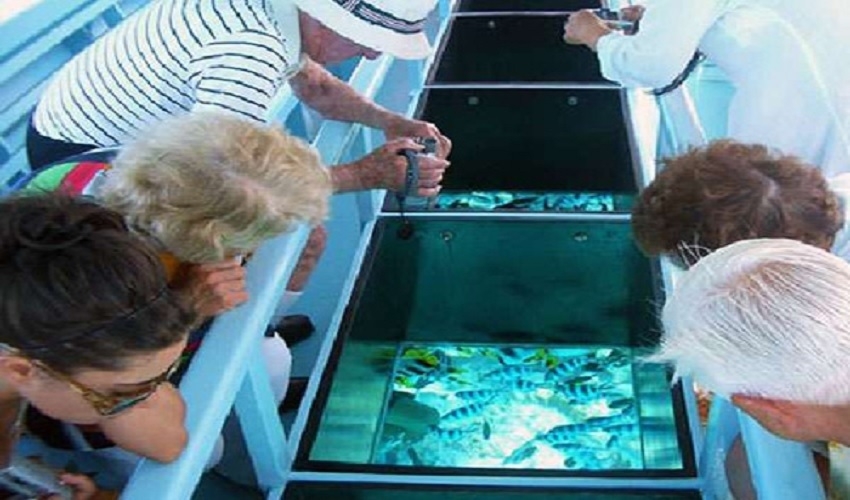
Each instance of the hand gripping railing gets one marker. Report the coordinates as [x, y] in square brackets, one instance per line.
[228, 371]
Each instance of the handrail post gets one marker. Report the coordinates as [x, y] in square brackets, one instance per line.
[261, 428]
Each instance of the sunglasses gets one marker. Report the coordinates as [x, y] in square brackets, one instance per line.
[106, 405]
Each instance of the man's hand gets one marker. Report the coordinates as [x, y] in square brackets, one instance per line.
[585, 28]
[399, 126]
[632, 13]
[386, 168]
[799, 421]
[214, 288]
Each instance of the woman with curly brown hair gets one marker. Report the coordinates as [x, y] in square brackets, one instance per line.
[711, 197]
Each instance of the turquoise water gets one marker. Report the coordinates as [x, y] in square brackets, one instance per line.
[360, 491]
[479, 406]
[513, 407]
[528, 201]
[500, 345]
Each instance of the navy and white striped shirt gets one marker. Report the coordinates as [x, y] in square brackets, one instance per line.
[172, 57]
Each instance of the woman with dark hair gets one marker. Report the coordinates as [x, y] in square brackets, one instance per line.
[89, 328]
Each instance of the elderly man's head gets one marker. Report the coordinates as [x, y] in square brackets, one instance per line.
[765, 321]
[335, 30]
[208, 186]
[726, 192]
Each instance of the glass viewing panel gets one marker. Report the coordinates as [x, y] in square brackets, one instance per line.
[360, 491]
[501, 346]
[563, 140]
[513, 49]
[504, 201]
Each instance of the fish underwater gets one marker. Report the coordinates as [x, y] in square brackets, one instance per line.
[513, 372]
[450, 434]
[611, 420]
[477, 395]
[520, 455]
[568, 367]
[624, 404]
[522, 405]
[580, 392]
[463, 414]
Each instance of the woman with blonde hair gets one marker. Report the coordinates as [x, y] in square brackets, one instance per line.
[206, 189]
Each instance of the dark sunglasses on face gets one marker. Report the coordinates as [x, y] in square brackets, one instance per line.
[108, 405]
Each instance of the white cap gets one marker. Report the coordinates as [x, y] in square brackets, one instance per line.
[391, 26]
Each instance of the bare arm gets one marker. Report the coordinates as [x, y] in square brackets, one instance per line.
[335, 99]
[154, 428]
[385, 168]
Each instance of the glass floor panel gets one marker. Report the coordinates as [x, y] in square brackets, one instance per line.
[499, 347]
[526, 5]
[497, 48]
[498, 406]
[517, 201]
[360, 491]
[547, 140]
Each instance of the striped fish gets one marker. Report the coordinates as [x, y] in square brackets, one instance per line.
[462, 414]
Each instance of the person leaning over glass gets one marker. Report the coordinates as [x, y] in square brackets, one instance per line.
[763, 322]
[206, 189]
[90, 329]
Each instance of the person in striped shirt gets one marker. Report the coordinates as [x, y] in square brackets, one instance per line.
[180, 56]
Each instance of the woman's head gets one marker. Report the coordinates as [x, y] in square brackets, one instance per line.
[83, 299]
[726, 192]
[207, 186]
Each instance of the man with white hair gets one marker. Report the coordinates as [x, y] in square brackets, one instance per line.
[765, 323]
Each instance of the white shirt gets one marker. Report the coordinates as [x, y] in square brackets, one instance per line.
[172, 57]
[784, 58]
